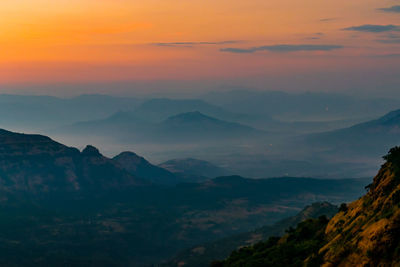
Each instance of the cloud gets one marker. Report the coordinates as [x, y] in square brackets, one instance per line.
[282, 48]
[388, 56]
[192, 44]
[393, 9]
[389, 39]
[327, 19]
[373, 28]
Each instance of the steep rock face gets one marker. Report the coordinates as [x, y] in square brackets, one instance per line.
[35, 164]
[368, 232]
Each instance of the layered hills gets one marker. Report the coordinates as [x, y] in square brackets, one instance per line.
[370, 138]
[81, 208]
[180, 128]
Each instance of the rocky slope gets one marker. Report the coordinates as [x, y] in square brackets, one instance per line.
[364, 233]
[37, 164]
[368, 232]
[204, 254]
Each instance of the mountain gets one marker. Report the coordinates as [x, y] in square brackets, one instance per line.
[181, 128]
[197, 126]
[307, 106]
[204, 254]
[159, 109]
[370, 138]
[189, 167]
[365, 232]
[35, 163]
[140, 167]
[38, 113]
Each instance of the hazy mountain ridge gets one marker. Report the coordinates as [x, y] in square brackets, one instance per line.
[189, 167]
[371, 137]
[301, 106]
[185, 127]
[38, 113]
[140, 167]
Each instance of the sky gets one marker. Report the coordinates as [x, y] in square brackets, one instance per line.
[275, 44]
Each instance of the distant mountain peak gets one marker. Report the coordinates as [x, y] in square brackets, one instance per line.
[129, 158]
[140, 167]
[190, 116]
[91, 151]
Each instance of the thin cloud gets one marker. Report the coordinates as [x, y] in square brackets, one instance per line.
[389, 39]
[282, 48]
[327, 19]
[373, 28]
[192, 44]
[393, 9]
[388, 56]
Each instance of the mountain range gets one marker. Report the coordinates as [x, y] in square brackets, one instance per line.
[180, 128]
[59, 204]
[370, 138]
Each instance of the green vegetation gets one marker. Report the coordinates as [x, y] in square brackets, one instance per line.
[203, 254]
[298, 247]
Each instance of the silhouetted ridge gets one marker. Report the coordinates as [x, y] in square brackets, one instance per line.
[91, 151]
[140, 167]
[192, 116]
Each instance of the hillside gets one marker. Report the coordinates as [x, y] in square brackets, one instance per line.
[364, 233]
[204, 254]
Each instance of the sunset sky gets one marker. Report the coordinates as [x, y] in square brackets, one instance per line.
[84, 41]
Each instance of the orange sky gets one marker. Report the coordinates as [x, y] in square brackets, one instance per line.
[115, 40]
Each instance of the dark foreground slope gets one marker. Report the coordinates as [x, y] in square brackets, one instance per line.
[364, 233]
